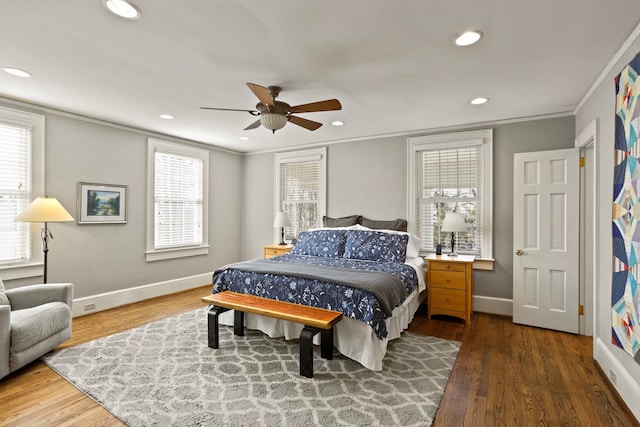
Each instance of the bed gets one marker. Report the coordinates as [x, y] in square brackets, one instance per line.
[375, 277]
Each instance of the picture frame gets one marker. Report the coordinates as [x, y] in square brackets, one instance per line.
[101, 203]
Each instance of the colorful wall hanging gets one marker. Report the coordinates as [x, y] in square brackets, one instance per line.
[625, 289]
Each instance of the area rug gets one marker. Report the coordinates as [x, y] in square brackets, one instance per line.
[164, 374]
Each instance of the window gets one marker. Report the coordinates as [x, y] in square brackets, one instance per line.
[300, 189]
[176, 200]
[447, 173]
[21, 180]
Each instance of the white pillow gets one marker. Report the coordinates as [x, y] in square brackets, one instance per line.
[413, 244]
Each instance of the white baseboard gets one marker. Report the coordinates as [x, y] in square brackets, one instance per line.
[105, 301]
[501, 306]
[624, 383]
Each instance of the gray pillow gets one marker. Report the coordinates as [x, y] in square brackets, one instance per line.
[345, 221]
[397, 224]
[3, 296]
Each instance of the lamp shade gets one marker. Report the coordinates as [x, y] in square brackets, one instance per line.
[453, 222]
[273, 121]
[45, 209]
[282, 220]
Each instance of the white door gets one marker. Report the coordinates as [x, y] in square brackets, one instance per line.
[546, 240]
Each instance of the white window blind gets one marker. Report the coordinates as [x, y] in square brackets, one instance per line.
[15, 191]
[300, 188]
[450, 180]
[300, 192]
[178, 207]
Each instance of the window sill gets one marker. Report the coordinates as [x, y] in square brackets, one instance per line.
[483, 264]
[159, 255]
[21, 271]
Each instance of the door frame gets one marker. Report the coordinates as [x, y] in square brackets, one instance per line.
[587, 139]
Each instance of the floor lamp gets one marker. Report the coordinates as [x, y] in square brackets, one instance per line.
[454, 223]
[45, 209]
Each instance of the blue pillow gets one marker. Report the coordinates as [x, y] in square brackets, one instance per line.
[325, 243]
[376, 246]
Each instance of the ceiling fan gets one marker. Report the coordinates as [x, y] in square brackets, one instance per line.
[275, 114]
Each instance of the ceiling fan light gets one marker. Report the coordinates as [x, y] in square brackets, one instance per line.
[273, 121]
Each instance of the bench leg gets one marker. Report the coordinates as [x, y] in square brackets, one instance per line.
[238, 323]
[326, 343]
[306, 351]
[212, 325]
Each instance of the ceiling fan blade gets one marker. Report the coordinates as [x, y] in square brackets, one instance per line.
[252, 112]
[253, 125]
[262, 93]
[307, 124]
[328, 105]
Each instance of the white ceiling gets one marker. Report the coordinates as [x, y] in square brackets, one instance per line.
[392, 64]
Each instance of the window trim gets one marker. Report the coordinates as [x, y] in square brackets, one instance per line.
[452, 140]
[295, 157]
[151, 253]
[33, 267]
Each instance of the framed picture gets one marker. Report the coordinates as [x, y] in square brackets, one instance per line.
[102, 203]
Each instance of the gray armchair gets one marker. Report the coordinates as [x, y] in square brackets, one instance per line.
[33, 321]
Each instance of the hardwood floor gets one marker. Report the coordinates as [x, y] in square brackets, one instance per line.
[505, 374]
[514, 375]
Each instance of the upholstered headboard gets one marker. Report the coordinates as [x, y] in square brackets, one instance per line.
[346, 221]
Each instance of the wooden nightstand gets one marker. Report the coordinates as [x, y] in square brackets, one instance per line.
[450, 285]
[275, 250]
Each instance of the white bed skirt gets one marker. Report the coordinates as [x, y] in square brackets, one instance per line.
[352, 338]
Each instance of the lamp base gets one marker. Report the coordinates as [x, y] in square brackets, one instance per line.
[453, 245]
[283, 243]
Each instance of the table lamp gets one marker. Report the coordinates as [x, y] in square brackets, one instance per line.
[454, 223]
[282, 221]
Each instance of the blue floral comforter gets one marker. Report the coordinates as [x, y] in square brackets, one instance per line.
[354, 303]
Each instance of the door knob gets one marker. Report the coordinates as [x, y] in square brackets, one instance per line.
[519, 252]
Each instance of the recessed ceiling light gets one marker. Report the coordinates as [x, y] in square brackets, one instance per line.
[337, 123]
[469, 38]
[166, 116]
[122, 8]
[244, 138]
[16, 72]
[479, 101]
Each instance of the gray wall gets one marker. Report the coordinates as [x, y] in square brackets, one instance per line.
[600, 106]
[110, 257]
[369, 177]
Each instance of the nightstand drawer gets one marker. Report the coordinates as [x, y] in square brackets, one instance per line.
[448, 299]
[447, 266]
[275, 250]
[448, 279]
[272, 252]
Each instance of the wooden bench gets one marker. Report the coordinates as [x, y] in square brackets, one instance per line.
[315, 320]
